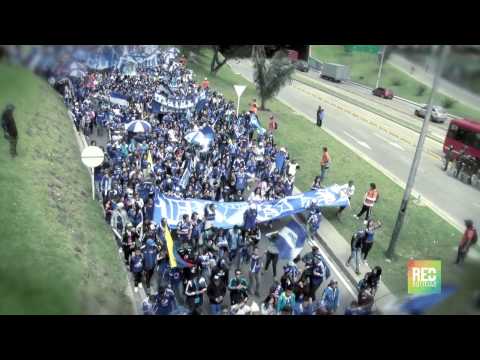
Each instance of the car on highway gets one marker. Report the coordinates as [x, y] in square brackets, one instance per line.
[302, 66]
[383, 93]
[438, 113]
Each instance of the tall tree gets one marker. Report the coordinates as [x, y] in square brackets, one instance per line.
[270, 77]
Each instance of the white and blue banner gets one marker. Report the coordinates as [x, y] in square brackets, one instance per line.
[229, 214]
[164, 104]
[256, 124]
[290, 240]
[119, 99]
[203, 138]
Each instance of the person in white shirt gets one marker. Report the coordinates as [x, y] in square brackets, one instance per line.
[349, 190]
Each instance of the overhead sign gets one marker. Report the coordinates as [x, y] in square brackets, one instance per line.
[92, 156]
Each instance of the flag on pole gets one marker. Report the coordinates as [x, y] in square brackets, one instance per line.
[150, 160]
[170, 249]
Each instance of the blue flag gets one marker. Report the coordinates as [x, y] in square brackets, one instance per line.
[291, 240]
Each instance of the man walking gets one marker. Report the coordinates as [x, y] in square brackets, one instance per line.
[331, 297]
[324, 164]
[349, 191]
[272, 255]
[469, 238]
[10, 129]
[356, 247]
[254, 271]
[370, 198]
[320, 116]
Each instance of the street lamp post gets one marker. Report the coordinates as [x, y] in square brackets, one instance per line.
[381, 65]
[418, 155]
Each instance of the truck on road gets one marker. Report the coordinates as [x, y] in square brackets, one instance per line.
[335, 72]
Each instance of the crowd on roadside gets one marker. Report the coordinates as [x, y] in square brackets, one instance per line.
[225, 267]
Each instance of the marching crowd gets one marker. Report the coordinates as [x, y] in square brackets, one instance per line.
[241, 163]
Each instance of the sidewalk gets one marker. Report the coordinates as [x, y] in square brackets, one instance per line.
[444, 86]
[338, 248]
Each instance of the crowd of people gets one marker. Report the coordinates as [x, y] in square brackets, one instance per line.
[241, 163]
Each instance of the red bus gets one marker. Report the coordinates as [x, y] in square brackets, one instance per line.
[461, 133]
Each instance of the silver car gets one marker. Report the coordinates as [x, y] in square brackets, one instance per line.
[438, 113]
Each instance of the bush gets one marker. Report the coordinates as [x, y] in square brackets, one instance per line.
[421, 90]
[447, 103]
[397, 82]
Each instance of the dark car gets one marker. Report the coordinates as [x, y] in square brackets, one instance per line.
[384, 93]
[302, 66]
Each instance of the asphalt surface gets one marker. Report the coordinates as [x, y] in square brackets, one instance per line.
[380, 141]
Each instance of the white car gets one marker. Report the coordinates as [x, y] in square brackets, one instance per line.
[438, 113]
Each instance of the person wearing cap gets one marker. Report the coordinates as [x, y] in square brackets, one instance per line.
[10, 129]
[150, 252]
[216, 291]
[331, 297]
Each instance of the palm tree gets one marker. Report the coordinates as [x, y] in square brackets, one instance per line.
[270, 78]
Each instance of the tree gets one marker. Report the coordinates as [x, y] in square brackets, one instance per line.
[270, 78]
[228, 52]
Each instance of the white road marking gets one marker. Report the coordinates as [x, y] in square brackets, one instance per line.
[333, 268]
[362, 143]
[394, 144]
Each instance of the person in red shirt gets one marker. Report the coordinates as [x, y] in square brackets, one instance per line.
[324, 164]
[370, 198]
[272, 125]
[205, 83]
[469, 238]
[253, 106]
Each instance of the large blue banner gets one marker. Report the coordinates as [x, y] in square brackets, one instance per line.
[229, 214]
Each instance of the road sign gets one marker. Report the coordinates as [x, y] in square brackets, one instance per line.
[239, 89]
[92, 156]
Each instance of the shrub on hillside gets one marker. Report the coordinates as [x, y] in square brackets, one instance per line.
[447, 103]
[421, 90]
[397, 82]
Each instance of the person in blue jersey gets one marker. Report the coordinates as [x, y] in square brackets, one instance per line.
[165, 302]
[250, 218]
[136, 267]
[254, 271]
[317, 276]
[331, 297]
[240, 180]
[150, 252]
[149, 305]
[313, 223]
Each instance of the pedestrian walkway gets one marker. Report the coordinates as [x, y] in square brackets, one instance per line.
[338, 248]
[426, 77]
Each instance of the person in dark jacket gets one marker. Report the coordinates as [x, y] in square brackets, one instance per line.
[194, 290]
[10, 129]
[165, 301]
[238, 288]
[320, 116]
[250, 218]
[356, 245]
[150, 252]
[216, 291]
[136, 267]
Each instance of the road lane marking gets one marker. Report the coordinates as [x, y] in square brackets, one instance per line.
[359, 142]
[394, 144]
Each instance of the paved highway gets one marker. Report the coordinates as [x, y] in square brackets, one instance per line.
[387, 143]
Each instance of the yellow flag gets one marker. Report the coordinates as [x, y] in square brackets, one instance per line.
[149, 159]
[171, 254]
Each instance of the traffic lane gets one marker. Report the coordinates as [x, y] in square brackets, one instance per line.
[401, 109]
[438, 189]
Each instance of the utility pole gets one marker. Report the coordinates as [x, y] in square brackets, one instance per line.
[418, 155]
[381, 65]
